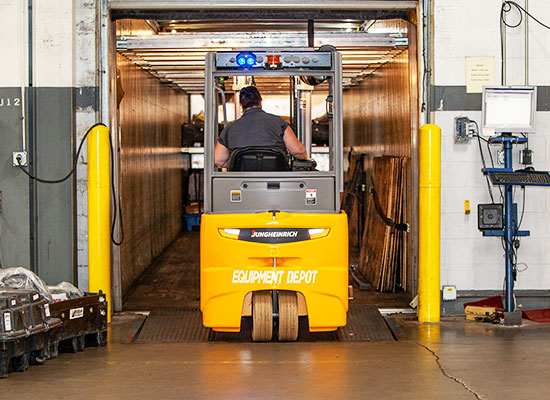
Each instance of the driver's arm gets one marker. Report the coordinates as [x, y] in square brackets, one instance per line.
[293, 145]
[221, 155]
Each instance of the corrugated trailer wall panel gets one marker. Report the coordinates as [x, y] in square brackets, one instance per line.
[378, 111]
[377, 119]
[150, 115]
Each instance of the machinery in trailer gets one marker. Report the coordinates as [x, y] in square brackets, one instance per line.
[274, 243]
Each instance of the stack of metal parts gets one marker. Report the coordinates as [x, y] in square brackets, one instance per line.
[35, 324]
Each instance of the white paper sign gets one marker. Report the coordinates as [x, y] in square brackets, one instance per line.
[480, 71]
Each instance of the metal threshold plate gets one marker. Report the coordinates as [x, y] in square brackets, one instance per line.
[173, 325]
[365, 324]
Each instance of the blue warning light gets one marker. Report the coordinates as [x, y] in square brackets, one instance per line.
[246, 59]
[241, 60]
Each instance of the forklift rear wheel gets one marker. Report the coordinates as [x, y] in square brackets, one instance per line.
[262, 316]
[288, 316]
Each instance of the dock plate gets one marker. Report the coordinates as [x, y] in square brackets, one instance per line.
[365, 324]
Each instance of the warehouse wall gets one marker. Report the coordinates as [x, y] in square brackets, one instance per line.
[469, 260]
[42, 227]
[151, 115]
[86, 113]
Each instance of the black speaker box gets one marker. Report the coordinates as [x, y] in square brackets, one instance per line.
[490, 217]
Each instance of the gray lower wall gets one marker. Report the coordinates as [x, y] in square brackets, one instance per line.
[53, 227]
[14, 185]
[455, 98]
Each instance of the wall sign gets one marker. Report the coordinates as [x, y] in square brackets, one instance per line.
[10, 102]
[480, 71]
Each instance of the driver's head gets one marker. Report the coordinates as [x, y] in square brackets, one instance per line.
[250, 97]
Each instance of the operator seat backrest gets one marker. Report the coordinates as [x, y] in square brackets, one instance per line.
[259, 159]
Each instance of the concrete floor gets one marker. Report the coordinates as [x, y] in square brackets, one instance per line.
[476, 360]
[451, 360]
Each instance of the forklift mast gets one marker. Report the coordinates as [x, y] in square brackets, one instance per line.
[292, 191]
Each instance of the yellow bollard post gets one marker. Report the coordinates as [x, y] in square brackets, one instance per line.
[429, 220]
[99, 242]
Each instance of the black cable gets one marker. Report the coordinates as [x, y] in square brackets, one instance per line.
[115, 195]
[513, 250]
[504, 10]
[378, 207]
[73, 169]
[522, 208]
[117, 210]
[488, 142]
[479, 138]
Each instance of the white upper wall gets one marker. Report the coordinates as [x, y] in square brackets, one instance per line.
[469, 260]
[13, 46]
[53, 43]
[84, 19]
[471, 28]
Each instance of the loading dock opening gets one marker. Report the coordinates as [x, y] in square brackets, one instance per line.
[380, 105]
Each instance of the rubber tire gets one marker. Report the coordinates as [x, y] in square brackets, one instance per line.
[4, 365]
[288, 316]
[72, 345]
[96, 339]
[20, 364]
[262, 316]
[39, 357]
[80, 343]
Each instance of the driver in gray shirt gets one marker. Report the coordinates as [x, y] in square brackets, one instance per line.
[256, 128]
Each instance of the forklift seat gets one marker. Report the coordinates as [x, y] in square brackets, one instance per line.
[259, 159]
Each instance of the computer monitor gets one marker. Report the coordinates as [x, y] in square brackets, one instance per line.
[509, 109]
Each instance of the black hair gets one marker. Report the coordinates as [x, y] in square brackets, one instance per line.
[250, 97]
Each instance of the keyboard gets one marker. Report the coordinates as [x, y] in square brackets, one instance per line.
[521, 178]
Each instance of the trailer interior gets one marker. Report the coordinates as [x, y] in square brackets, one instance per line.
[158, 60]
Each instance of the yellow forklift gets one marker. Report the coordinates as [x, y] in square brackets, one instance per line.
[274, 243]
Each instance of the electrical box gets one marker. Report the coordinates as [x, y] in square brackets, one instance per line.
[526, 157]
[461, 129]
[19, 159]
[490, 217]
[449, 293]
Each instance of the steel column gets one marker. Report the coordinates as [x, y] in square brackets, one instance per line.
[99, 239]
[509, 229]
[429, 224]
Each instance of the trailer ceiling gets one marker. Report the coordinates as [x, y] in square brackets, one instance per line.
[174, 51]
[367, 33]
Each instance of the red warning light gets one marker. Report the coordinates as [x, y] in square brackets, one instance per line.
[274, 61]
